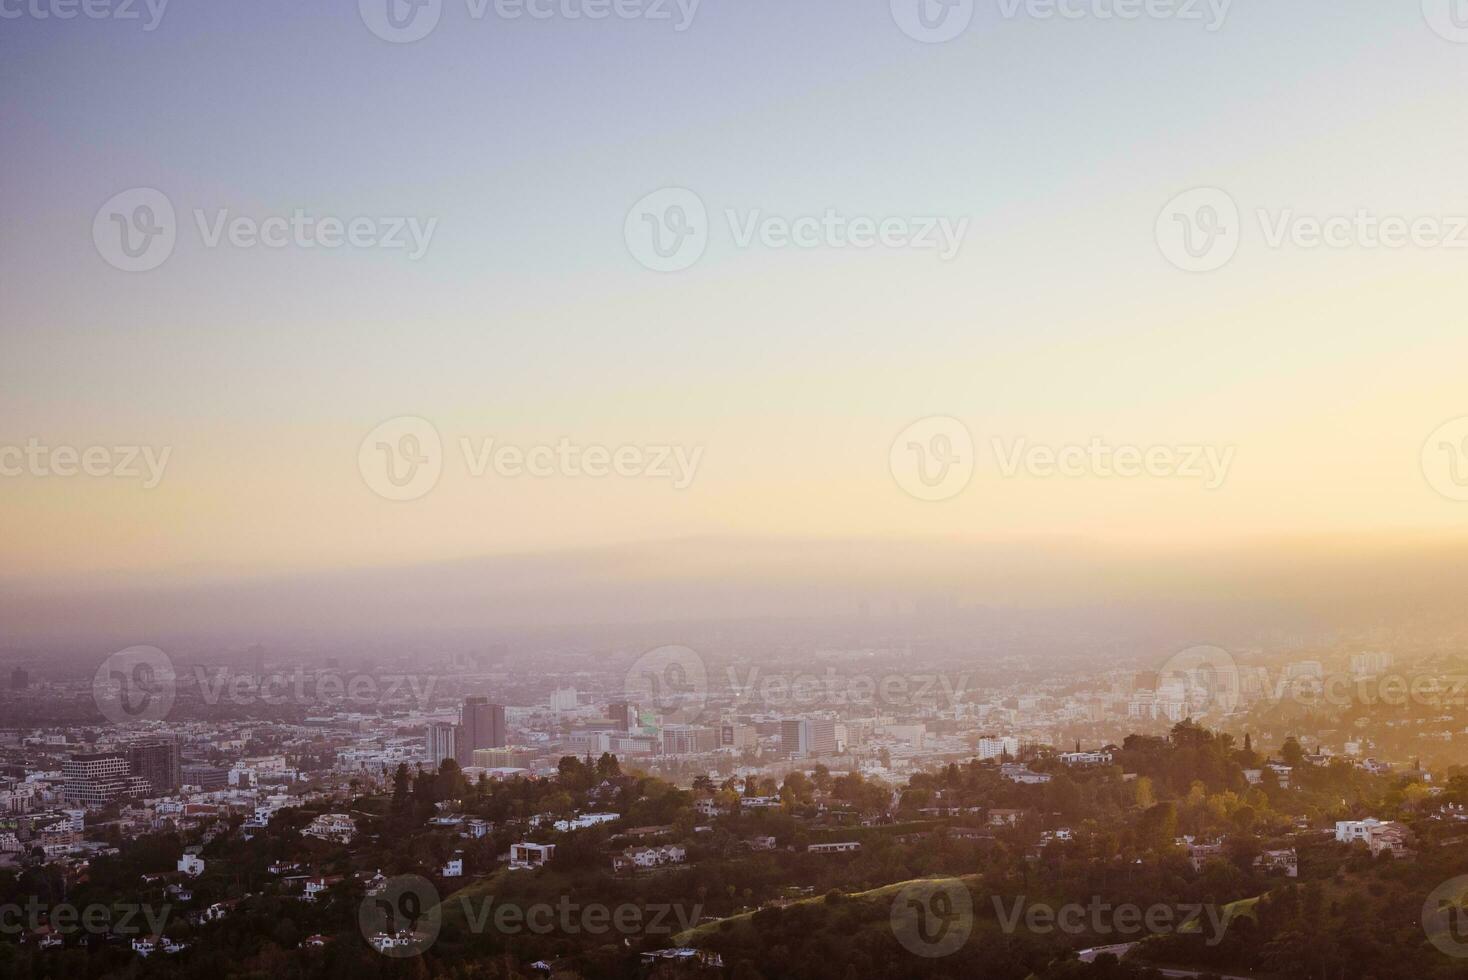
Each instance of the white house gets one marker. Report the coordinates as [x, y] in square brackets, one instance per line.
[339, 827]
[147, 945]
[453, 868]
[315, 887]
[583, 821]
[191, 864]
[838, 848]
[649, 857]
[384, 941]
[525, 856]
[1348, 831]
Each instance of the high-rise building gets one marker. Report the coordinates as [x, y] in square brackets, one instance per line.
[564, 699]
[98, 778]
[733, 735]
[482, 726]
[442, 741]
[808, 738]
[156, 761]
[20, 679]
[689, 739]
[996, 746]
[623, 713]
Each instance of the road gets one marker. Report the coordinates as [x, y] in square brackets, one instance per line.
[1119, 950]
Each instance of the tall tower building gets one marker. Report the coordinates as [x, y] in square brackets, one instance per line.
[481, 726]
[442, 741]
[808, 738]
[157, 761]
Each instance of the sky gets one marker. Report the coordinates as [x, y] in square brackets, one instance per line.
[761, 392]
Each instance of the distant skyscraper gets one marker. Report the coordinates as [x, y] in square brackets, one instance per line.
[689, 739]
[156, 761]
[482, 726]
[995, 746]
[564, 699]
[623, 714]
[736, 736]
[19, 679]
[442, 741]
[808, 738]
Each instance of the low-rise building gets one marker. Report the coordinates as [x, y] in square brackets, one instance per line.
[1285, 862]
[525, 855]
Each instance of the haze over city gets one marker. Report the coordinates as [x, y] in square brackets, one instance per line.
[660, 489]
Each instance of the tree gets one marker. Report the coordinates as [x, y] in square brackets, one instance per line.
[1158, 827]
[401, 783]
[1144, 795]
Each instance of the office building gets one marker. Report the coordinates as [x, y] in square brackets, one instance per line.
[442, 742]
[207, 778]
[481, 726]
[99, 778]
[808, 738]
[689, 739]
[733, 735]
[156, 761]
[997, 746]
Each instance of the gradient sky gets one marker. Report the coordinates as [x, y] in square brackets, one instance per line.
[529, 320]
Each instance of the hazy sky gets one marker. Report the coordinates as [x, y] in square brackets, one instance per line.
[1319, 373]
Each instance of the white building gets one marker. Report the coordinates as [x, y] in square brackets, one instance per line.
[337, 827]
[582, 821]
[191, 864]
[525, 856]
[992, 747]
[649, 857]
[1349, 831]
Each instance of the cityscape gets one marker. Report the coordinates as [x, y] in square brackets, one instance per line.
[710, 490]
